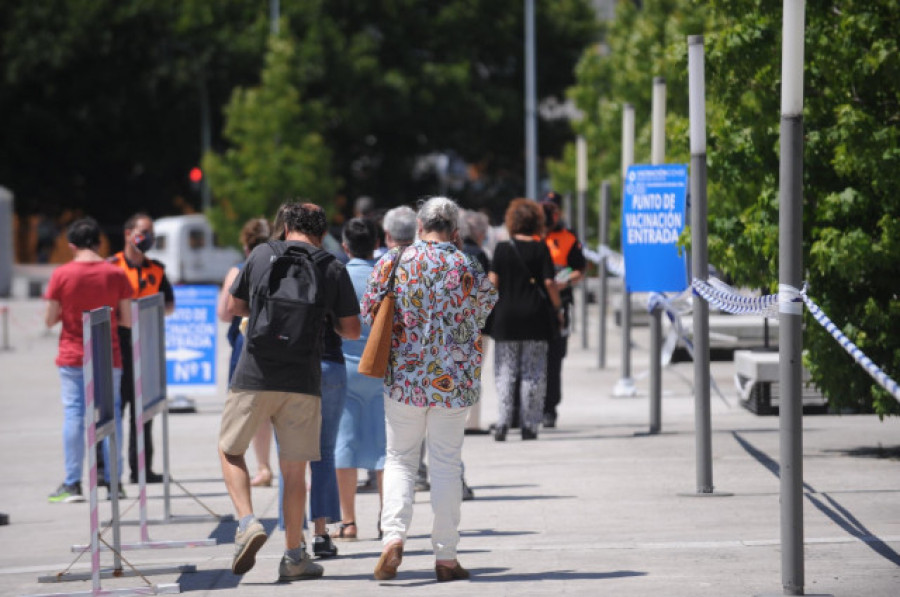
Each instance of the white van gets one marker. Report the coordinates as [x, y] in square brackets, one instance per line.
[186, 246]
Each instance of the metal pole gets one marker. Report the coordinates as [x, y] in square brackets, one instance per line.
[205, 142]
[790, 310]
[655, 371]
[601, 270]
[531, 138]
[274, 16]
[699, 261]
[657, 156]
[581, 151]
[7, 219]
[625, 385]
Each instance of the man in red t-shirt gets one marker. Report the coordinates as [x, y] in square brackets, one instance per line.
[85, 283]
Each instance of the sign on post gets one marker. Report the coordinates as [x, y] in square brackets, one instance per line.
[191, 341]
[653, 216]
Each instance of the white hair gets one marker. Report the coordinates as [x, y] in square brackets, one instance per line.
[439, 214]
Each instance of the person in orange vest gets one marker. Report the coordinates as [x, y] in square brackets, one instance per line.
[147, 277]
[569, 263]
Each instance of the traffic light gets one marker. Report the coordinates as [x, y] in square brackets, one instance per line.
[196, 175]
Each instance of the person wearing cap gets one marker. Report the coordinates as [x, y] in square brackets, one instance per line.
[569, 263]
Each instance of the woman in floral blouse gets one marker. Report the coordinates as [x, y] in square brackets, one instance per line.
[434, 375]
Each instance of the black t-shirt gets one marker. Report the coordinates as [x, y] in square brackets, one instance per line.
[522, 312]
[253, 373]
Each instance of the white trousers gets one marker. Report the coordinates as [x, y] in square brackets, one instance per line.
[443, 430]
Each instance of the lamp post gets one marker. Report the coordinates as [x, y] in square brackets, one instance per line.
[531, 137]
[625, 385]
[790, 309]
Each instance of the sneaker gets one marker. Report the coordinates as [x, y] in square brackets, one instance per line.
[323, 547]
[304, 569]
[246, 545]
[104, 483]
[67, 493]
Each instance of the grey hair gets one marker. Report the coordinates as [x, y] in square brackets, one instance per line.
[400, 223]
[463, 224]
[439, 214]
[477, 224]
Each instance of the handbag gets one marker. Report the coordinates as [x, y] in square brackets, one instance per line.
[555, 332]
[377, 353]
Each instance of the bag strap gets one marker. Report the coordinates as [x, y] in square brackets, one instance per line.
[531, 278]
[390, 287]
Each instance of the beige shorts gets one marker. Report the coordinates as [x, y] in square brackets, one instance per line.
[297, 419]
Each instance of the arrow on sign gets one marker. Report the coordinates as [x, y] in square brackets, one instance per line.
[183, 354]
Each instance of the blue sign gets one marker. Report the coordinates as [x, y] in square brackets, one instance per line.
[652, 220]
[191, 341]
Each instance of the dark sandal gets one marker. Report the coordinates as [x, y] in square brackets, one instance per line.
[341, 533]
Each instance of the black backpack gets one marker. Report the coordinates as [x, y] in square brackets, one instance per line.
[288, 308]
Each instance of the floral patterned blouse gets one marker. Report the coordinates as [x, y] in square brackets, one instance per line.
[443, 299]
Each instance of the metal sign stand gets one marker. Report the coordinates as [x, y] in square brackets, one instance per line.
[100, 423]
[148, 350]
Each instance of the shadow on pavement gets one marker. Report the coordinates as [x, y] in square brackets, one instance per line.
[833, 510]
[503, 575]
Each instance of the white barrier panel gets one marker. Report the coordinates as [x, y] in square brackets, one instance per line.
[100, 423]
[148, 351]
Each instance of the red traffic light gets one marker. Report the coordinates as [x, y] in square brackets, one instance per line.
[196, 175]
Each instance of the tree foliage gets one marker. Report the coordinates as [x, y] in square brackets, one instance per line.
[100, 99]
[276, 152]
[408, 78]
[851, 123]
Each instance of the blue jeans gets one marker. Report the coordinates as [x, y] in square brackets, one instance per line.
[324, 500]
[73, 401]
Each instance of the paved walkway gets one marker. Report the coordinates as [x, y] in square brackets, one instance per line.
[595, 506]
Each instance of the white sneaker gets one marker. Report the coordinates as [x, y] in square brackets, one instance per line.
[246, 545]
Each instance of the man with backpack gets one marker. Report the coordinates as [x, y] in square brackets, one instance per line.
[286, 288]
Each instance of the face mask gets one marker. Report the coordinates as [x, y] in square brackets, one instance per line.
[143, 242]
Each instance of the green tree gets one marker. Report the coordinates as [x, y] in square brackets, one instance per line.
[851, 190]
[643, 42]
[851, 155]
[407, 78]
[100, 99]
[276, 153]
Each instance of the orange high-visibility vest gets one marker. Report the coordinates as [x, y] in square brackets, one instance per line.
[145, 279]
[560, 242]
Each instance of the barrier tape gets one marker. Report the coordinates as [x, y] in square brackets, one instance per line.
[723, 297]
[861, 359]
[675, 308]
[615, 262]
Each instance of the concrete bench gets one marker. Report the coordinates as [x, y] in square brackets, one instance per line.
[756, 380]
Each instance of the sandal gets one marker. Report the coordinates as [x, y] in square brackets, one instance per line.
[342, 533]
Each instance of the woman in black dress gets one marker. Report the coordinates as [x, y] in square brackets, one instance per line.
[525, 317]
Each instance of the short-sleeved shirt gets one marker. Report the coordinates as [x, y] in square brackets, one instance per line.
[522, 312]
[443, 300]
[81, 286]
[359, 270]
[255, 373]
